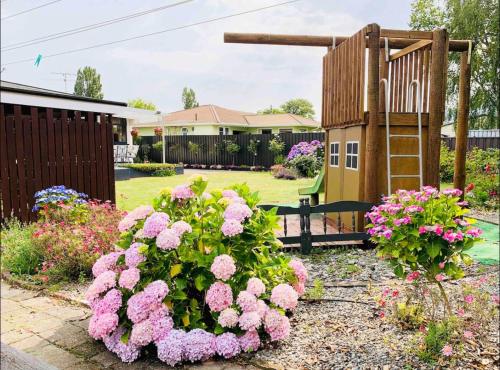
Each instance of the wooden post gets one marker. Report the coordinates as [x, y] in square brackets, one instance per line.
[384, 73]
[371, 193]
[462, 122]
[439, 68]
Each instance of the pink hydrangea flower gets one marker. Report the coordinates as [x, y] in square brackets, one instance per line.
[228, 318]
[447, 350]
[199, 345]
[110, 303]
[155, 224]
[126, 223]
[182, 192]
[141, 212]
[474, 232]
[126, 352]
[101, 284]
[250, 341]
[246, 301]
[262, 308]
[276, 325]
[413, 276]
[168, 239]
[139, 307]
[249, 320]
[181, 227]
[229, 193]
[452, 192]
[157, 290]
[452, 237]
[102, 325]
[171, 347]
[238, 212]
[284, 296]
[231, 228]
[129, 278]
[161, 322]
[142, 333]
[105, 263]
[300, 288]
[219, 296]
[256, 286]
[299, 270]
[227, 345]
[223, 267]
[132, 255]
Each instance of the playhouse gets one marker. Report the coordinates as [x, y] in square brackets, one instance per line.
[383, 106]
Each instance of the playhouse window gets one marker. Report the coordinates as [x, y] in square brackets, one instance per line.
[334, 154]
[351, 155]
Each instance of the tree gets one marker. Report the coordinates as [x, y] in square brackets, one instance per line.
[141, 104]
[476, 20]
[270, 110]
[189, 98]
[301, 107]
[88, 83]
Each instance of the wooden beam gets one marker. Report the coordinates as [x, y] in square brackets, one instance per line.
[409, 49]
[371, 193]
[462, 122]
[439, 67]
[406, 34]
[323, 41]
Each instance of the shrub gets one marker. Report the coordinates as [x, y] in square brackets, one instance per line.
[19, 255]
[281, 172]
[423, 233]
[51, 201]
[158, 146]
[446, 163]
[277, 147]
[193, 148]
[232, 148]
[199, 274]
[306, 158]
[153, 169]
[253, 149]
[69, 247]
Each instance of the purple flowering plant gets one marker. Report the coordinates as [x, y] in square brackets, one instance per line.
[424, 233]
[197, 274]
[306, 158]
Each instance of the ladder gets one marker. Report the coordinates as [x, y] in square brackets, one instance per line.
[414, 84]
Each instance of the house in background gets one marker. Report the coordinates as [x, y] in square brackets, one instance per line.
[122, 115]
[215, 120]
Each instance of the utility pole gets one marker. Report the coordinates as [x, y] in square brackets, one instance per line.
[65, 76]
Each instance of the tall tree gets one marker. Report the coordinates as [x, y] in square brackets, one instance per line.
[301, 107]
[88, 83]
[270, 110]
[189, 98]
[141, 104]
[476, 20]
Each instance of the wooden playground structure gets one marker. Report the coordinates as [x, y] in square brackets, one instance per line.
[384, 94]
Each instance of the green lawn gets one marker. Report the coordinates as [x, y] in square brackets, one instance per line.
[134, 192]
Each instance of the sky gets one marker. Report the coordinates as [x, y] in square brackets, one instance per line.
[156, 68]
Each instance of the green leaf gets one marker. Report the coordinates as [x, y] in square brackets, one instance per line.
[399, 271]
[175, 270]
[466, 259]
[125, 337]
[433, 249]
[199, 282]
[218, 330]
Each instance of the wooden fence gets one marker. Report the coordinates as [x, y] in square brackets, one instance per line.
[478, 142]
[211, 148]
[43, 147]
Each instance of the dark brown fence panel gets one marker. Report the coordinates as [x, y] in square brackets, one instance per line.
[211, 148]
[43, 147]
[475, 142]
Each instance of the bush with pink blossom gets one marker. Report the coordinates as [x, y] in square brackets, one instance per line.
[199, 274]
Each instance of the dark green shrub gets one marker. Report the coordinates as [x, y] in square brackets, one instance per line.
[19, 254]
[446, 163]
[437, 336]
[305, 165]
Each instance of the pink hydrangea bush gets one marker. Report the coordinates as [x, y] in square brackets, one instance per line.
[198, 274]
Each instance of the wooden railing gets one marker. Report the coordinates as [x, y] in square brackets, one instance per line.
[305, 210]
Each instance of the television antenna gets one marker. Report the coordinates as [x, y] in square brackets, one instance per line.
[65, 77]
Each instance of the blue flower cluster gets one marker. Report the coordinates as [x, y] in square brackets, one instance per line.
[58, 194]
[305, 148]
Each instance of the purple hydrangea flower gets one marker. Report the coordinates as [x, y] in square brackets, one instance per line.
[170, 349]
[227, 345]
[155, 224]
[199, 345]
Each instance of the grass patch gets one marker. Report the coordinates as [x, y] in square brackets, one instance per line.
[134, 192]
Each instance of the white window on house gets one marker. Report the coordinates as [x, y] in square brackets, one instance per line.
[334, 154]
[184, 131]
[285, 130]
[223, 130]
[351, 155]
[266, 131]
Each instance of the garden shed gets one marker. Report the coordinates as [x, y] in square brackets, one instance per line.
[52, 138]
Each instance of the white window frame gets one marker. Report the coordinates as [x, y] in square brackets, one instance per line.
[184, 131]
[352, 155]
[225, 130]
[332, 155]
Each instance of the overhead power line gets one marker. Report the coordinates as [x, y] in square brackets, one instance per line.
[30, 9]
[155, 33]
[89, 27]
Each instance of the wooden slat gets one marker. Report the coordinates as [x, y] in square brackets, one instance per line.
[51, 142]
[404, 82]
[21, 163]
[415, 77]
[44, 153]
[72, 153]
[4, 167]
[28, 155]
[104, 158]
[79, 150]
[426, 63]
[11, 158]
[403, 34]
[65, 148]
[59, 165]
[110, 161]
[92, 149]
[86, 158]
[98, 158]
[410, 49]
[35, 140]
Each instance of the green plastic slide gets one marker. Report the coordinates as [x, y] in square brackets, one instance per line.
[314, 190]
[488, 250]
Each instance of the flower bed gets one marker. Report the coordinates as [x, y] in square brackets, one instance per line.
[155, 169]
[197, 275]
[305, 159]
[225, 167]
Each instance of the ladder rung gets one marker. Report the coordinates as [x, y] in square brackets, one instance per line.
[406, 176]
[405, 156]
[404, 135]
